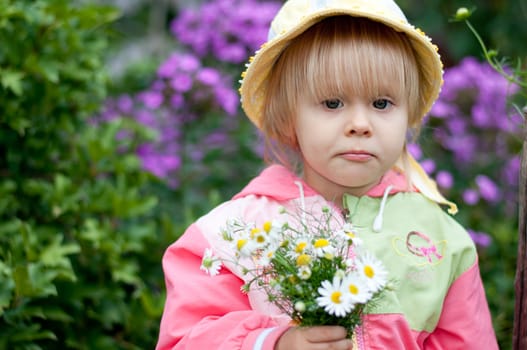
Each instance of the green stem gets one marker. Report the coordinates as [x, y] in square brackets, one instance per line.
[491, 59]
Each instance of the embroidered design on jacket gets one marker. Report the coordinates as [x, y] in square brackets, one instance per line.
[420, 248]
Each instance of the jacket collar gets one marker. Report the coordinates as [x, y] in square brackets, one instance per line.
[277, 182]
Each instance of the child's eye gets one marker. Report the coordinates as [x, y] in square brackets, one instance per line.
[333, 104]
[381, 103]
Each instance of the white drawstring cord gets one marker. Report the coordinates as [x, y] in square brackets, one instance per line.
[377, 223]
[302, 201]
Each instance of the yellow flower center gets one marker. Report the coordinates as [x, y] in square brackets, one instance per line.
[368, 271]
[255, 231]
[353, 289]
[267, 226]
[335, 297]
[303, 260]
[300, 247]
[207, 263]
[241, 243]
[321, 243]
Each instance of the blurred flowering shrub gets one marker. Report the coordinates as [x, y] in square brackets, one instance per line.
[193, 109]
[471, 143]
[229, 30]
[189, 108]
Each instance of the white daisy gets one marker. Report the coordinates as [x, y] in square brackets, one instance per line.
[275, 230]
[267, 255]
[357, 288]
[334, 298]
[300, 246]
[323, 248]
[210, 264]
[259, 237]
[348, 233]
[304, 272]
[373, 270]
[243, 245]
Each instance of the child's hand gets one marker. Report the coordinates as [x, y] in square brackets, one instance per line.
[314, 338]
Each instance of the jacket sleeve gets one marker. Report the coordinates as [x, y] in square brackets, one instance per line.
[465, 322]
[204, 312]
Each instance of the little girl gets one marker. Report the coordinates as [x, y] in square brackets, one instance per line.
[336, 91]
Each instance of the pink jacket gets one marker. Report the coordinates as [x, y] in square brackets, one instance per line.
[440, 305]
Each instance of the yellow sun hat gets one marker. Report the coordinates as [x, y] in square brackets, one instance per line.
[296, 16]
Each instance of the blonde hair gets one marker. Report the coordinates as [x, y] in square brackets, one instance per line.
[376, 59]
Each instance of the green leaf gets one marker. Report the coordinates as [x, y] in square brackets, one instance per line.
[33, 280]
[57, 314]
[50, 70]
[32, 333]
[127, 272]
[92, 232]
[22, 281]
[7, 287]
[12, 80]
[55, 255]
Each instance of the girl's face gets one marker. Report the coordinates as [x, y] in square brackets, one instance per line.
[349, 143]
[343, 94]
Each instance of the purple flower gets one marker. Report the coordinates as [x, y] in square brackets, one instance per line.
[156, 163]
[160, 165]
[187, 62]
[429, 166]
[208, 76]
[511, 172]
[230, 35]
[470, 196]
[146, 117]
[181, 83]
[176, 101]
[442, 109]
[445, 179]
[227, 99]
[125, 104]
[480, 238]
[488, 189]
[415, 150]
[178, 62]
[151, 99]
[231, 52]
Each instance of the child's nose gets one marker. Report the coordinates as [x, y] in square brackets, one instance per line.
[357, 123]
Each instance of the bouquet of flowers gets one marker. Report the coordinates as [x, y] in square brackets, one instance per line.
[313, 272]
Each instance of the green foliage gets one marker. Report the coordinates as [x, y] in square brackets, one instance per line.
[80, 246]
[499, 22]
[498, 265]
[498, 262]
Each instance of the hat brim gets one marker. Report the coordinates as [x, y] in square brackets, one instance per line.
[255, 78]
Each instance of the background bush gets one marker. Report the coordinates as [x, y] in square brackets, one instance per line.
[120, 127]
[77, 227]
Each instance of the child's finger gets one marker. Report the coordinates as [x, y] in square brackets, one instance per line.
[324, 334]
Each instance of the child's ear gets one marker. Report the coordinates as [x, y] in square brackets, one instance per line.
[289, 136]
[293, 142]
